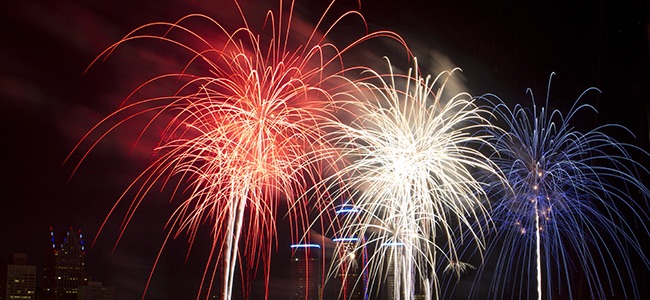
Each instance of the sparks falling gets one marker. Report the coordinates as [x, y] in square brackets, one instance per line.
[565, 213]
[409, 161]
[241, 133]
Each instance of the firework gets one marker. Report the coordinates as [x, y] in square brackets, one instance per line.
[240, 133]
[408, 166]
[571, 210]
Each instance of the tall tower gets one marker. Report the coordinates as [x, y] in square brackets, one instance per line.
[350, 258]
[392, 286]
[306, 273]
[95, 291]
[64, 269]
[18, 279]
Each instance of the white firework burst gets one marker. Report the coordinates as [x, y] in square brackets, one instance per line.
[409, 157]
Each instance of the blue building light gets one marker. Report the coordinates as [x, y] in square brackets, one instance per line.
[294, 246]
[347, 209]
[391, 244]
[345, 240]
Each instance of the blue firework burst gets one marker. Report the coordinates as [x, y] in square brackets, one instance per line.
[576, 210]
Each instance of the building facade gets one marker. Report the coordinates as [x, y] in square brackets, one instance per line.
[350, 281]
[64, 269]
[306, 272]
[18, 280]
[95, 291]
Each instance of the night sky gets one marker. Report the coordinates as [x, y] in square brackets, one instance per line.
[48, 103]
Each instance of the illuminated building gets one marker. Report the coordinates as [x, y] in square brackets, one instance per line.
[349, 283]
[347, 276]
[306, 272]
[95, 291]
[64, 269]
[389, 289]
[18, 280]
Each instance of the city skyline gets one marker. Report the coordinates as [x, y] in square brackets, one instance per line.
[49, 103]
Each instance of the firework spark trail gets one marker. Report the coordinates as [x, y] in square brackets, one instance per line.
[570, 208]
[408, 168]
[242, 132]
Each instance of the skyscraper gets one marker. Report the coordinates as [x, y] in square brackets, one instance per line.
[306, 272]
[96, 291]
[64, 267]
[392, 286]
[350, 257]
[349, 263]
[18, 280]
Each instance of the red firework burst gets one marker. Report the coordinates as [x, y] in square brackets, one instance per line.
[241, 131]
